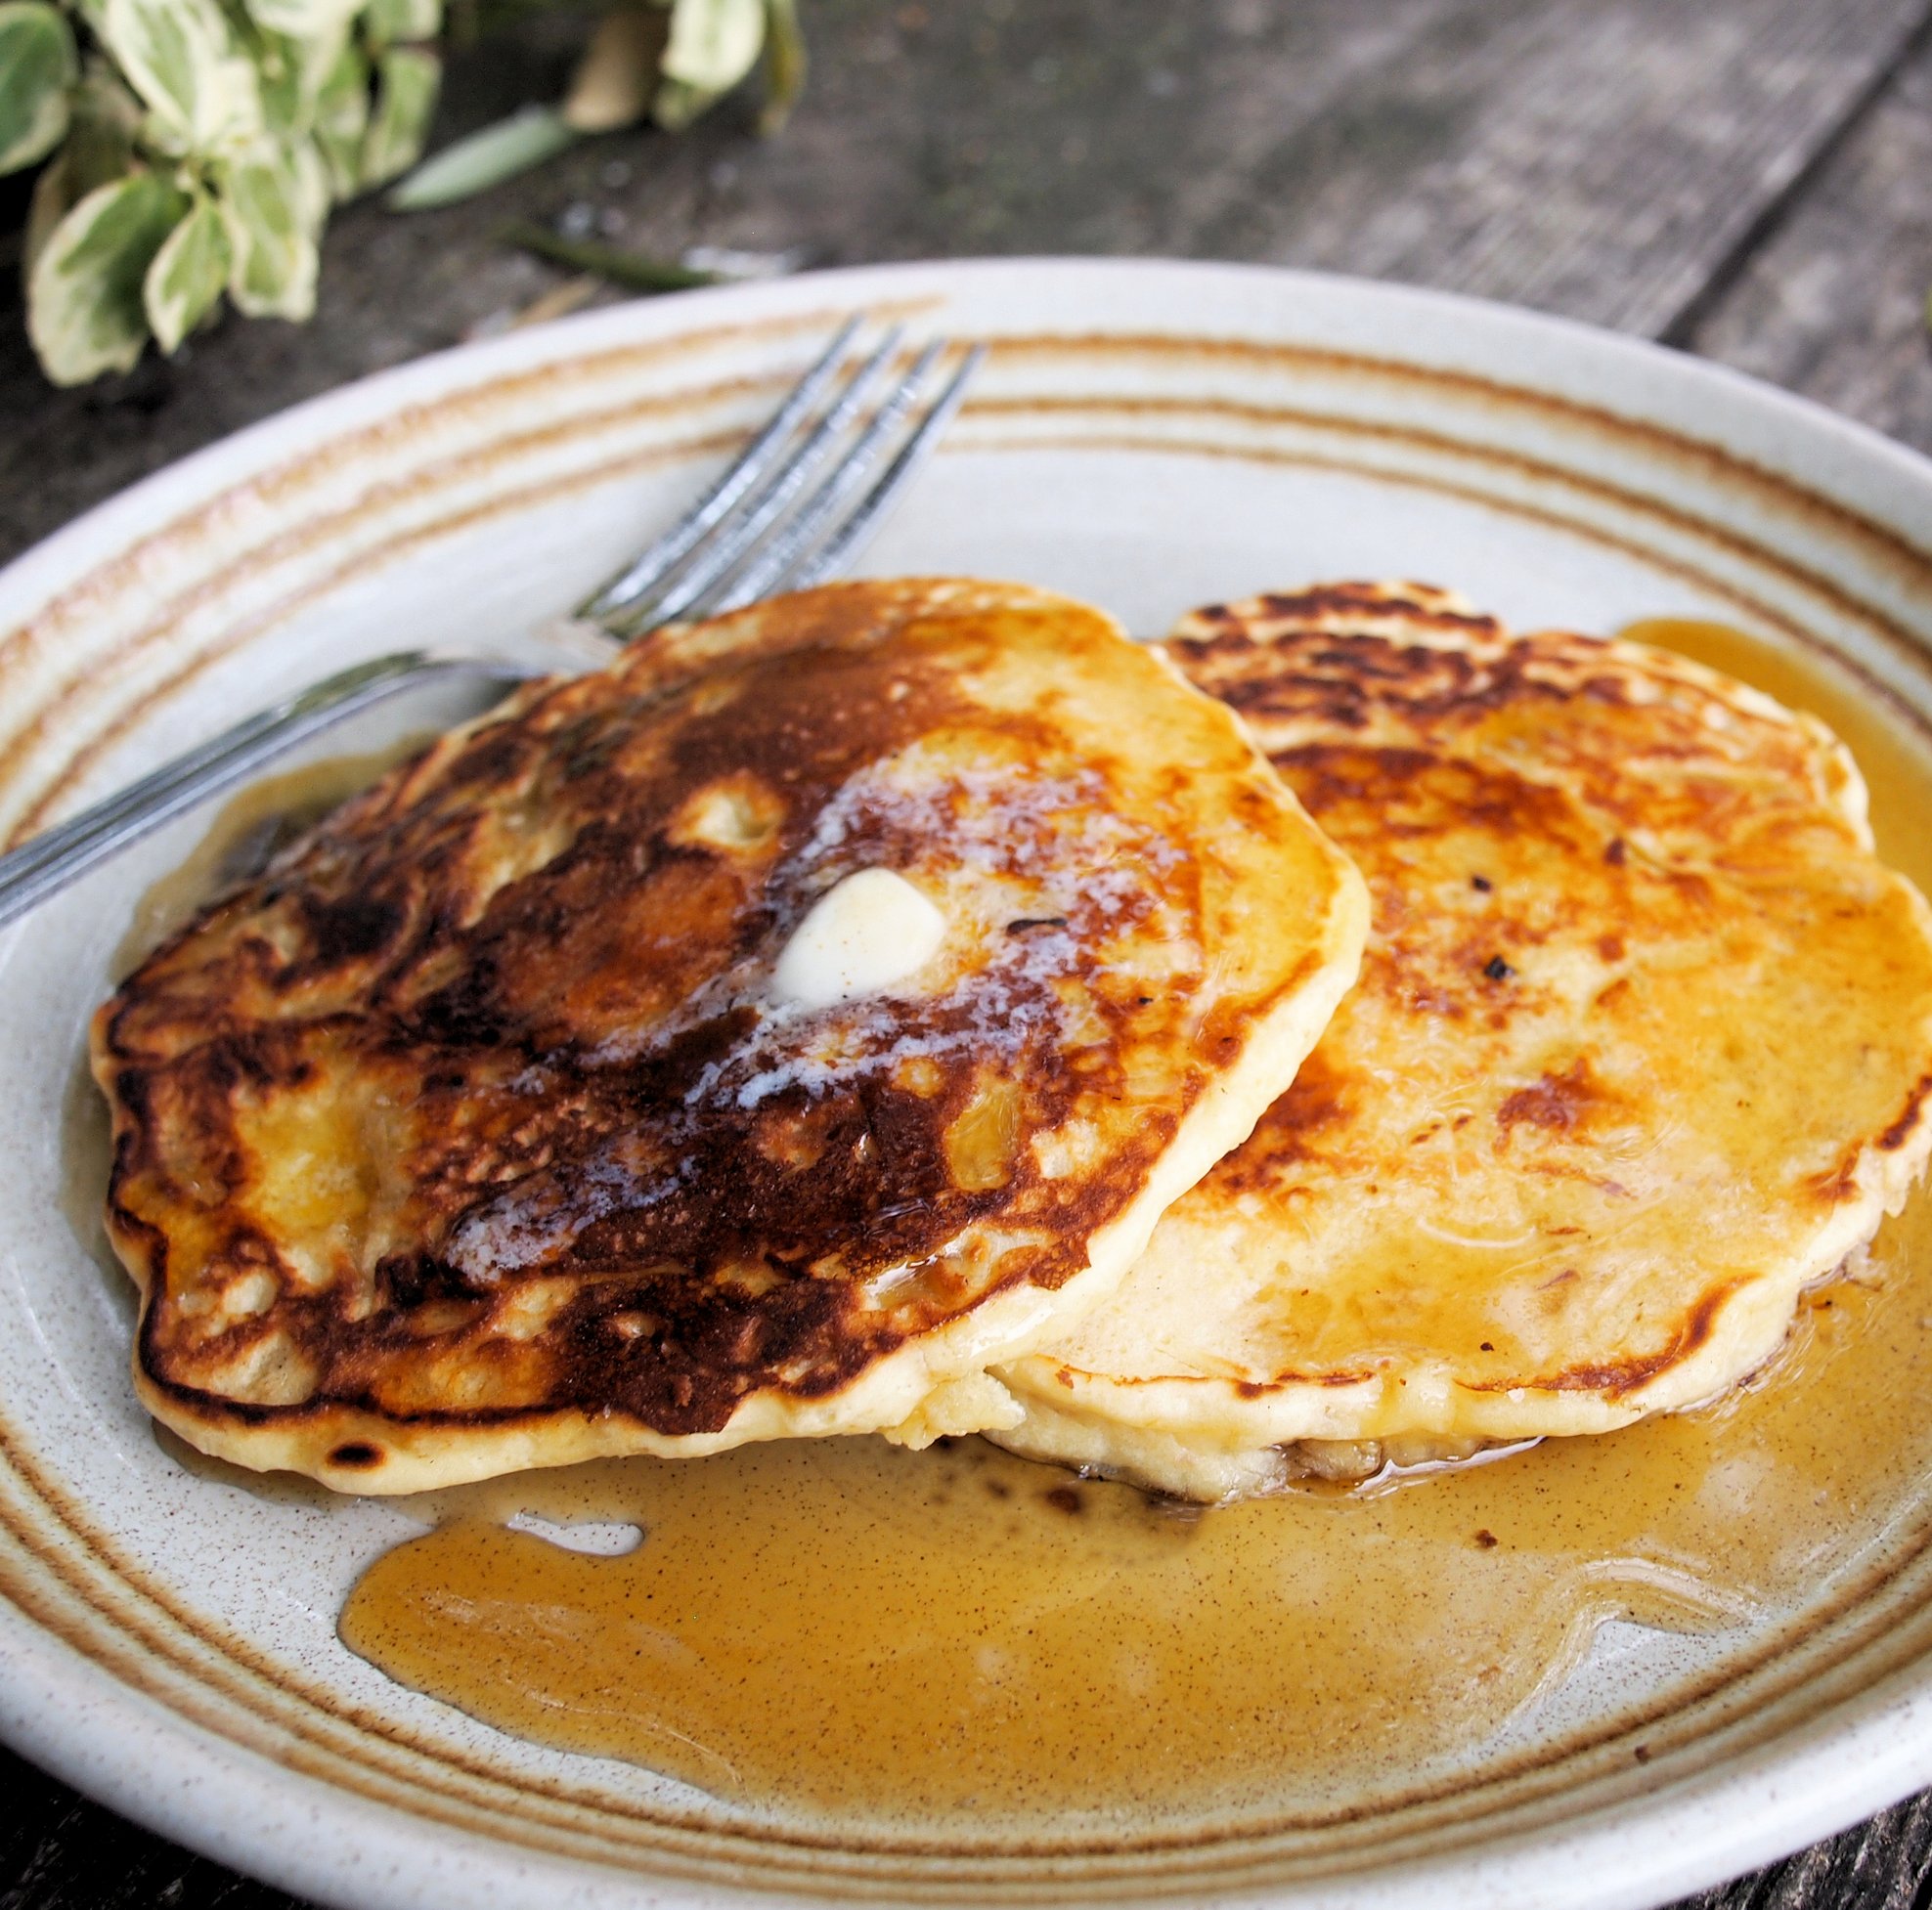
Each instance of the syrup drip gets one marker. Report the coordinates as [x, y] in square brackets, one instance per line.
[877, 1637]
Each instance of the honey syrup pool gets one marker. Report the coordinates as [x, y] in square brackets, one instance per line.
[855, 1633]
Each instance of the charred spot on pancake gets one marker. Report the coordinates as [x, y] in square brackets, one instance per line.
[1896, 1136]
[1498, 970]
[356, 1456]
[1559, 1103]
[1358, 598]
[411, 1280]
[349, 927]
[1294, 1130]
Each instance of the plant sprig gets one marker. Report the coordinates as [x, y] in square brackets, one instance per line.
[191, 150]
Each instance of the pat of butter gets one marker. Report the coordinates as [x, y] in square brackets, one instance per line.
[871, 930]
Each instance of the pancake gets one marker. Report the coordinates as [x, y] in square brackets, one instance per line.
[1642, 1046]
[754, 1038]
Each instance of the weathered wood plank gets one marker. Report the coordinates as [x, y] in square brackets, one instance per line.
[1833, 303]
[1634, 146]
[1597, 157]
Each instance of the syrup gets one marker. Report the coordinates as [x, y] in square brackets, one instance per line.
[869, 1637]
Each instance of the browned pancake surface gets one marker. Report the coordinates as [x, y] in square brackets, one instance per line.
[478, 1110]
[1643, 1042]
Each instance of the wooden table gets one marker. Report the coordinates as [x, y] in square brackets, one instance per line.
[1747, 179]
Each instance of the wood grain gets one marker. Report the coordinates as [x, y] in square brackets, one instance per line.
[59, 1852]
[1598, 157]
[1833, 302]
[1749, 178]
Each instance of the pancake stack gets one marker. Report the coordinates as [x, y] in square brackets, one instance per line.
[914, 1008]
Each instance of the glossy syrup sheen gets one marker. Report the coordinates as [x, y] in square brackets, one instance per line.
[864, 1635]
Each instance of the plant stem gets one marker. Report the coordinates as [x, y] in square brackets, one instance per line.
[630, 269]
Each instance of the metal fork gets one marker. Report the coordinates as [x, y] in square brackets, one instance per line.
[756, 531]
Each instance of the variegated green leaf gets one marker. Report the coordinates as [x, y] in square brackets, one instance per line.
[84, 307]
[182, 57]
[274, 198]
[326, 20]
[187, 275]
[483, 159]
[98, 151]
[54, 196]
[341, 118]
[104, 121]
[406, 83]
[713, 44]
[284, 112]
[292, 74]
[387, 22]
[38, 65]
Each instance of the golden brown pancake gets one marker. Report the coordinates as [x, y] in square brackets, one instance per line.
[1643, 1044]
[494, 1125]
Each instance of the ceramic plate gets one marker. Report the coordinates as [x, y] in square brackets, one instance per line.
[1147, 436]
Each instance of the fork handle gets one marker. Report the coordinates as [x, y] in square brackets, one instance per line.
[51, 860]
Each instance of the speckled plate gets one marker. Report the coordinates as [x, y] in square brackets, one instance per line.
[1148, 436]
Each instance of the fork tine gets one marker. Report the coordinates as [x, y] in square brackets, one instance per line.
[723, 545]
[651, 565]
[858, 529]
[759, 574]
[728, 541]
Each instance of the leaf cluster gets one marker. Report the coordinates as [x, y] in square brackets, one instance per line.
[192, 149]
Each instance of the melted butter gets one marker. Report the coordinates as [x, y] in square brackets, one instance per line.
[870, 930]
[869, 1635]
